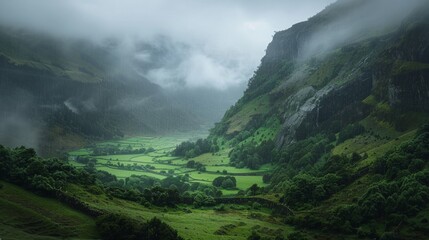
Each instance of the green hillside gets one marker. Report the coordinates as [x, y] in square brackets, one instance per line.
[336, 118]
[25, 215]
[78, 61]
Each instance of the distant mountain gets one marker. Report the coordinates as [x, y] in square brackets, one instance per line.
[61, 93]
[164, 60]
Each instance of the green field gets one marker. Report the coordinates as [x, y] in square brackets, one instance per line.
[161, 162]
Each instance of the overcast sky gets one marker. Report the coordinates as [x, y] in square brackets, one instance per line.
[219, 42]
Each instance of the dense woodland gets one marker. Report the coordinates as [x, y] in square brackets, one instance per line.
[193, 149]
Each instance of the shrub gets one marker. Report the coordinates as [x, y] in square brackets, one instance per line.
[254, 236]
[256, 206]
[112, 227]
[296, 236]
[155, 229]
[118, 227]
[220, 208]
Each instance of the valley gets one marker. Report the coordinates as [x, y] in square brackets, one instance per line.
[114, 137]
[159, 163]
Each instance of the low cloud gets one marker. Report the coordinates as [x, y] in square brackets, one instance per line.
[221, 42]
[366, 19]
[198, 70]
[19, 123]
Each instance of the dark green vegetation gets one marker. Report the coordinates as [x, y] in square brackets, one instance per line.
[114, 227]
[397, 193]
[193, 149]
[225, 182]
[252, 155]
[24, 215]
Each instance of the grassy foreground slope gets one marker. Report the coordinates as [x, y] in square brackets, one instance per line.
[235, 222]
[24, 215]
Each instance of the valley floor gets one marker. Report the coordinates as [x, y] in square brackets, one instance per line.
[159, 163]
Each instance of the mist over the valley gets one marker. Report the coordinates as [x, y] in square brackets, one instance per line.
[199, 54]
[179, 44]
[167, 64]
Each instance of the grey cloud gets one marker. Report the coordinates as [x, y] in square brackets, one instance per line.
[224, 39]
[367, 19]
[19, 124]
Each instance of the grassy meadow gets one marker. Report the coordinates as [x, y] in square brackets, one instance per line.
[235, 222]
[159, 163]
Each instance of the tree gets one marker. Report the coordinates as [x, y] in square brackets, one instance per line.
[253, 161]
[228, 184]
[155, 229]
[254, 236]
[190, 164]
[217, 182]
[266, 178]
[113, 227]
[201, 199]
[256, 206]
[254, 189]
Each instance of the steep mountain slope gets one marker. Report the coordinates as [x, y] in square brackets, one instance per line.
[308, 93]
[59, 93]
[343, 97]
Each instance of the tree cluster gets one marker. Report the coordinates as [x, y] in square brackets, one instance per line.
[117, 227]
[196, 165]
[23, 167]
[400, 190]
[117, 150]
[350, 131]
[192, 149]
[228, 182]
[146, 190]
[251, 155]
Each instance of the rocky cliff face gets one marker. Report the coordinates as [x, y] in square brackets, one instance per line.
[315, 82]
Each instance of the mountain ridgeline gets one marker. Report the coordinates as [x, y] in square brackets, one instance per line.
[356, 78]
[337, 98]
[59, 94]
